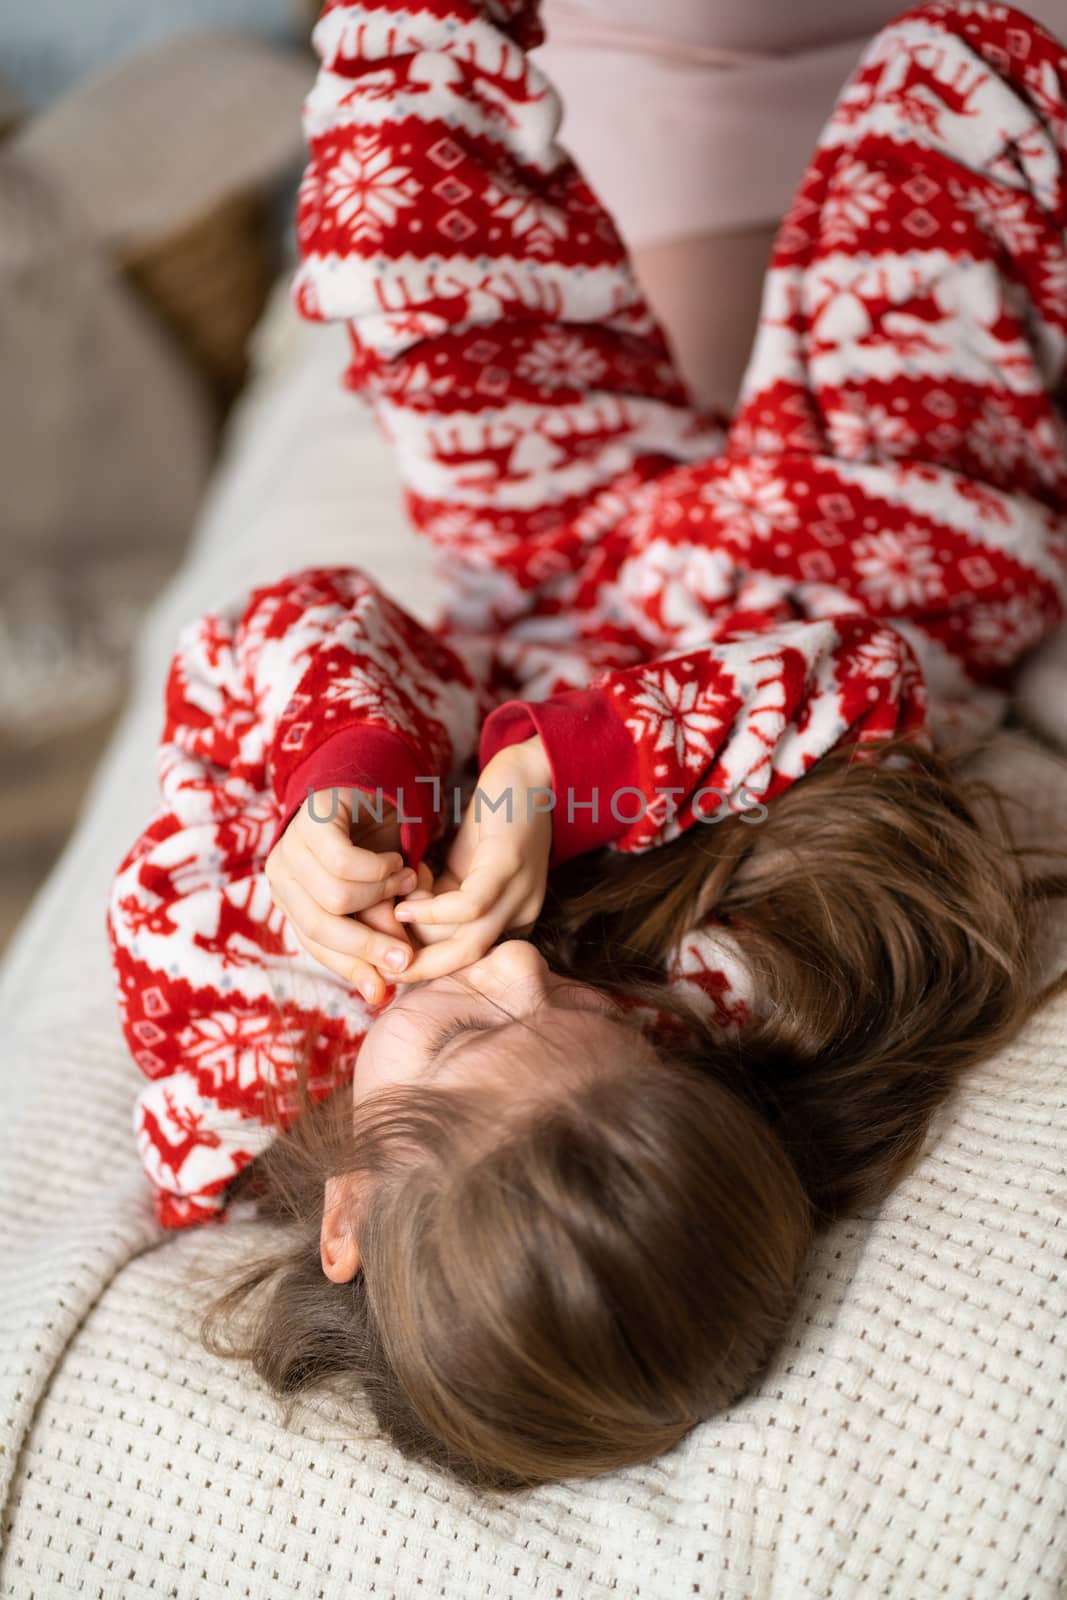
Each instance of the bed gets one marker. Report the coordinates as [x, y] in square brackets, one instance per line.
[908, 1440]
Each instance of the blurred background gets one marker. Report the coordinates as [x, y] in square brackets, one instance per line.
[150, 152]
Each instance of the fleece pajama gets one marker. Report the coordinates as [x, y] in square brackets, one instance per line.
[691, 610]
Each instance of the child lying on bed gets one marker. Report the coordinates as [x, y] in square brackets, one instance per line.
[559, 1211]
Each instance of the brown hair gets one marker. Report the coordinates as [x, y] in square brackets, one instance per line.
[564, 1284]
[889, 926]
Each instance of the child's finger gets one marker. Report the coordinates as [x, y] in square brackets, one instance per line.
[464, 905]
[468, 944]
[478, 893]
[342, 896]
[346, 936]
[423, 932]
[382, 918]
[361, 975]
[329, 843]
[357, 974]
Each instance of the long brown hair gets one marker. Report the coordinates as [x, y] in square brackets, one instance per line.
[563, 1284]
[888, 921]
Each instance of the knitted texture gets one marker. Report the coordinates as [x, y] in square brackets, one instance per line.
[908, 1441]
[881, 525]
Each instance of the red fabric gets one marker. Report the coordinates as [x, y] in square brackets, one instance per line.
[593, 761]
[681, 603]
[381, 766]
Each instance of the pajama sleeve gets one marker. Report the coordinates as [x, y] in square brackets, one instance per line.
[495, 322]
[892, 498]
[697, 734]
[305, 683]
[315, 680]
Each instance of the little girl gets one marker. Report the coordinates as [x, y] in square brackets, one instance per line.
[559, 1211]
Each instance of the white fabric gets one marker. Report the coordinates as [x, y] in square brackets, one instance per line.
[908, 1439]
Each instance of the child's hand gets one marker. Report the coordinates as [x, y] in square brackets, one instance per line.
[336, 882]
[495, 876]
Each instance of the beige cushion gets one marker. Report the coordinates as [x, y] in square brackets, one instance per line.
[907, 1440]
[12, 109]
[153, 143]
[105, 443]
[111, 378]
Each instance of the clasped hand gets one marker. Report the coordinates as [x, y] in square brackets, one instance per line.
[337, 880]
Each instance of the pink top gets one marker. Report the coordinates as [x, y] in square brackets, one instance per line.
[732, 94]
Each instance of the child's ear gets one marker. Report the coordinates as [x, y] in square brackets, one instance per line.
[338, 1250]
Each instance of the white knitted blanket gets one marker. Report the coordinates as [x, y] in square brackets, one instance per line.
[909, 1440]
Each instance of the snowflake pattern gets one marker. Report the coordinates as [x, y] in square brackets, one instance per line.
[860, 431]
[856, 196]
[996, 438]
[539, 223]
[751, 500]
[877, 658]
[561, 358]
[367, 189]
[681, 715]
[360, 689]
[232, 1052]
[1006, 216]
[898, 570]
[732, 598]
[1002, 632]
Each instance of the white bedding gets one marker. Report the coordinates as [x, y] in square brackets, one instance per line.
[909, 1440]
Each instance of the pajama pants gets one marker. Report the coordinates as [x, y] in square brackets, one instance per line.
[920, 375]
[699, 182]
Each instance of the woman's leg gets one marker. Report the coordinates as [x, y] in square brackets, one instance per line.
[898, 449]
[699, 182]
[915, 307]
[706, 292]
[904, 388]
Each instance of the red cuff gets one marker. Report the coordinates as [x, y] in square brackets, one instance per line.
[377, 761]
[592, 758]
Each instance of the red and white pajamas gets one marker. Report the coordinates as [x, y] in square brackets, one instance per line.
[683, 607]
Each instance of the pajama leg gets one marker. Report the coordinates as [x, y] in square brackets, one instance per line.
[898, 449]
[883, 539]
[915, 306]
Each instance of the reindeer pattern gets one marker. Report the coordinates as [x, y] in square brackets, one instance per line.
[869, 546]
